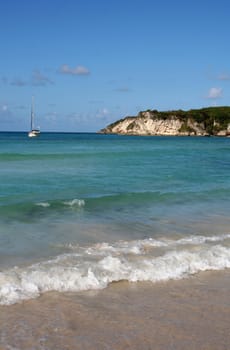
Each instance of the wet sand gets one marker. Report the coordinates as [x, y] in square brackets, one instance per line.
[188, 314]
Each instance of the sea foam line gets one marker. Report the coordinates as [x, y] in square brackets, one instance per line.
[143, 246]
[70, 272]
[71, 203]
[75, 202]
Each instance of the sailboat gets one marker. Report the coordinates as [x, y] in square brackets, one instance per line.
[34, 131]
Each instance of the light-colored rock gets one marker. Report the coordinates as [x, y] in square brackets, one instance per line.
[154, 123]
[146, 125]
[222, 133]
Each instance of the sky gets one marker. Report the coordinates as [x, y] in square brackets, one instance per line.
[89, 63]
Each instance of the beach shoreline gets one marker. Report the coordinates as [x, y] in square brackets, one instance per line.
[192, 313]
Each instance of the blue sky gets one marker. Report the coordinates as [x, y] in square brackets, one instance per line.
[91, 62]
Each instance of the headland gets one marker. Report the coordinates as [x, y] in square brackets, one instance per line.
[210, 121]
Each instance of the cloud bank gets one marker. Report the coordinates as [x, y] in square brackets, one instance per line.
[37, 79]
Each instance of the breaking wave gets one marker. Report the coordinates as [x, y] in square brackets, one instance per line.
[96, 266]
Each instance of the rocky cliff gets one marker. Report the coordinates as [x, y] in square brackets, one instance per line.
[202, 122]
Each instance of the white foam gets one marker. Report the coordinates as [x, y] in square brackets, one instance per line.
[144, 246]
[75, 202]
[43, 204]
[96, 268]
[198, 239]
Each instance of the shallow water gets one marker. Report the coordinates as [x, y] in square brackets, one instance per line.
[193, 313]
[79, 211]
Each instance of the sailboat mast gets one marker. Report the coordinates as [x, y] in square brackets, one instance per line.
[32, 113]
[33, 132]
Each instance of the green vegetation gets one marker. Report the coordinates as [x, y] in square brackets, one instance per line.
[213, 119]
[204, 121]
[186, 129]
[118, 122]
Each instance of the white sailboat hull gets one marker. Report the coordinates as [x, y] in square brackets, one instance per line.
[33, 133]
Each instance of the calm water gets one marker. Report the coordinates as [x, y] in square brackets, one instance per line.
[79, 211]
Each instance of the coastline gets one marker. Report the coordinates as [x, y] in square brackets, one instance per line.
[197, 122]
[192, 313]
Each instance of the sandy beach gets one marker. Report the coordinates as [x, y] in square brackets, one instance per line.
[189, 314]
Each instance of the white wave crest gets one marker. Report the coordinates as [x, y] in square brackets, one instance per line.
[144, 246]
[197, 239]
[43, 204]
[75, 202]
[74, 272]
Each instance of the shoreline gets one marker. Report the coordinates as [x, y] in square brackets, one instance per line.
[192, 313]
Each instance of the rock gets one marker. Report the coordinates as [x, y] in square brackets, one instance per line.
[174, 123]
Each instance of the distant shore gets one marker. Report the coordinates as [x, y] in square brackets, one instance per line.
[211, 121]
[188, 314]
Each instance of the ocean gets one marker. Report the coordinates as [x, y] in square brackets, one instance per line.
[81, 211]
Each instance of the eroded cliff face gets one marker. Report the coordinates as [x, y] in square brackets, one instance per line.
[148, 126]
[147, 123]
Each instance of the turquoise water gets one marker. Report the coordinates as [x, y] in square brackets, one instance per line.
[79, 211]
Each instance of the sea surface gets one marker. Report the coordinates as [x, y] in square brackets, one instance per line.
[80, 211]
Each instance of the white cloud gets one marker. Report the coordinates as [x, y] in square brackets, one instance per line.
[39, 79]
[78, 70]
[215, 93]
